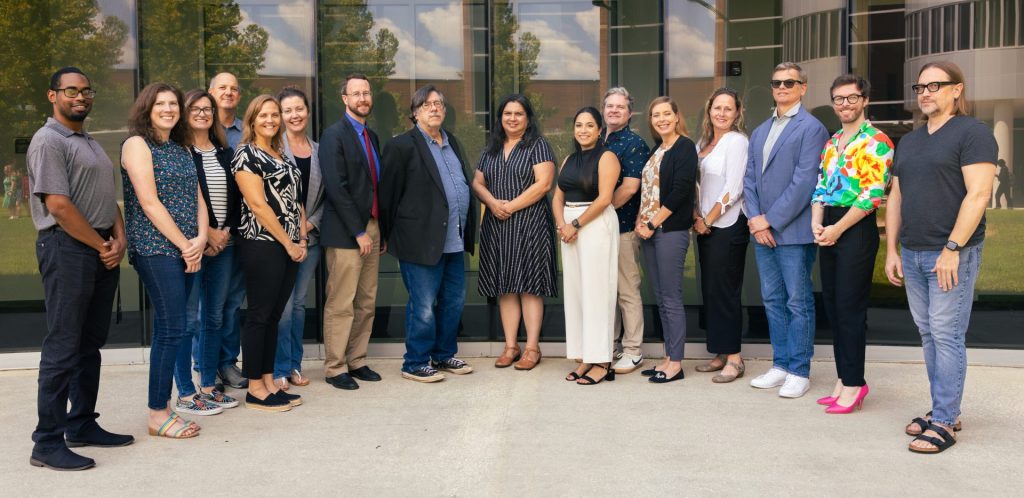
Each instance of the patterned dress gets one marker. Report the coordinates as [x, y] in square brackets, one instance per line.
[517, 255]
[281, 183]
[176, 185]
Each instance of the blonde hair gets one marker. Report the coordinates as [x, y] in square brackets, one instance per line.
[707, 132]
[680, 124]
[248, 135]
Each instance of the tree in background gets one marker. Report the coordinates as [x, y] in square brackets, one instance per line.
[37, 38]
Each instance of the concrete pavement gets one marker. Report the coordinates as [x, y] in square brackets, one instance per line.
[508, 433]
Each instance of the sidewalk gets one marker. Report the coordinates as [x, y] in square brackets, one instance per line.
[508, 433]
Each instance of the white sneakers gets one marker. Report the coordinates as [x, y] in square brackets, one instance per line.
[792, 386]
[627, 363]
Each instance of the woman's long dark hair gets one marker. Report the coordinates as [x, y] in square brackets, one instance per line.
[497, 139]
[597, 117]
[139, 122]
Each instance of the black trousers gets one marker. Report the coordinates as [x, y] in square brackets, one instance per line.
[723, 256]
[79, 293]
[269, 278]
[846, 271]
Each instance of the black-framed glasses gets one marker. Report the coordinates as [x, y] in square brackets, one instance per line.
[787, 83]
[852, 98]
[72, 92]
[197, 111]
[932, 87]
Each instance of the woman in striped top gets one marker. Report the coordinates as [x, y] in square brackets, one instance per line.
[207, 143]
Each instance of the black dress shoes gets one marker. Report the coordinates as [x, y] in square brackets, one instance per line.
[364, 373]
[343, 381]
[96, 436]
[62, 459]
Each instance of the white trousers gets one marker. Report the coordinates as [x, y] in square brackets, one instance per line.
[590, 277]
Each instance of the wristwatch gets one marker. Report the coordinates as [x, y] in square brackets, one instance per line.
[952, 246]
[576, 223]
[651, 227]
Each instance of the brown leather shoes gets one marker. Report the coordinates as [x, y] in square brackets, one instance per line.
[508, 357]
[530, 359]
[725, 379]
[713, 365]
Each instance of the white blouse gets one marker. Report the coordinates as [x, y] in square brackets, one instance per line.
[721, 175]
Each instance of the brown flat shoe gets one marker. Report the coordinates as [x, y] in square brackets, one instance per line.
[725, 379]
[712, 366]
[298, 379]
[508, 357]
[530, 359]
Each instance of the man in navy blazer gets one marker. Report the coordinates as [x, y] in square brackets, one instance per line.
[428, 219]
[351, 167]
[782, 170]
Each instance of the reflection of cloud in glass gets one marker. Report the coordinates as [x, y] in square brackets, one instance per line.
[568, 48]
[290, 42]
[690, 44]
[429, 42]
[125, 11]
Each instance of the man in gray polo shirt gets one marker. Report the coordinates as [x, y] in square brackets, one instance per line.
[81, 243]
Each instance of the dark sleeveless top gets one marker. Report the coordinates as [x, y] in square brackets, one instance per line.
[579, 177]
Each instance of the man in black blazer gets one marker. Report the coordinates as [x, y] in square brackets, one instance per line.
[349, 231]
[428, 219]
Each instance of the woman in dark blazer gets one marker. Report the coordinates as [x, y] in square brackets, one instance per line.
[667, 196]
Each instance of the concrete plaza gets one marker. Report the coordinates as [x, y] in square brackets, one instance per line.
[509, 433]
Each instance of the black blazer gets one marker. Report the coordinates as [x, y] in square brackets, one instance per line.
[414, 207]
[224, 157]
[348, 187]
[678, 184]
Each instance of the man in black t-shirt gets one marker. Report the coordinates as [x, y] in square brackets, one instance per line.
[942, 183]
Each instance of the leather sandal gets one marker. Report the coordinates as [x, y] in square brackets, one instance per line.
[939, 444]
[711, 366]
[298, 379]
[529, 360]
[725, 379]
[509, 356]
[186, 430]
[587, 380]
[923, 423]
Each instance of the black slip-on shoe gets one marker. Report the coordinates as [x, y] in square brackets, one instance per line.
[62, 459]
[364, 373]
[343, 381]
[97, 436]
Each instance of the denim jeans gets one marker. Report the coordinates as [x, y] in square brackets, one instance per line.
[788, 297]
[167, 284]
[231, 344]
[437, 294]
[293, 320]
[205, 327]
[942, 318]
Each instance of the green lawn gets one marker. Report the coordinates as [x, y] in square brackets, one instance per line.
[17, 246]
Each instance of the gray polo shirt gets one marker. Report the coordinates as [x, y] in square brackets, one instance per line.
[64, 162]
[778, 124]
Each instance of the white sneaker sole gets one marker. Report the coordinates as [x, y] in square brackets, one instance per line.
[433, 378]
[793, 395]
[762, 385]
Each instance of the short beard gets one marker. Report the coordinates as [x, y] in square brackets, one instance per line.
[76, 117]
[355, 110]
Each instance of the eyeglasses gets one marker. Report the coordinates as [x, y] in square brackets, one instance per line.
[360, 95]
[72, 92]
[198, 111]
[932, 87]
[787, 83]
[852, 98]
[426, 106]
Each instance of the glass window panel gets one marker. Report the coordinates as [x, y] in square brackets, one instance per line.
[935, 44]
[993, 23]
[1010, 23]
[964, 26]
[948, 27]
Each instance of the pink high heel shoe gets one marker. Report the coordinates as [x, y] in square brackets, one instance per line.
[827, 400]
[858, 403]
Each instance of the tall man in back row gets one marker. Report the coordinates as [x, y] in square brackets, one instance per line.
[632, 151]
[80, 246]
[782, 171]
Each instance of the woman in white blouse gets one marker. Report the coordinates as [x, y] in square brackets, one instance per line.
[722, 231]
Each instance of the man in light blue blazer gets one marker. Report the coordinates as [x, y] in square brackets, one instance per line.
[782, 169]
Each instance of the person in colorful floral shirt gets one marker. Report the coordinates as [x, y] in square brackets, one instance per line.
[854, 171]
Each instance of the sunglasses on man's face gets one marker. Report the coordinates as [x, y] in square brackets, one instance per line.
[786, 83]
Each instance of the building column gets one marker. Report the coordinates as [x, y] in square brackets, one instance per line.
[1003, 130]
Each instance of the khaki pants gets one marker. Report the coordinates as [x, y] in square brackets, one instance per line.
[351, 304]
[629, 312]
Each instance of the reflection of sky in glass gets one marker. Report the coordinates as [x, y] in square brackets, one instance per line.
[125, 11]
[568, 33]
[290, 26]
[429, 36]
[689, 40]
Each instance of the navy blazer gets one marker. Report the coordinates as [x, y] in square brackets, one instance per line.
[782, 192]
[413, 204]
[347, 185]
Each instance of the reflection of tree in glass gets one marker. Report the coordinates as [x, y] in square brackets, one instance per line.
[175, 51]
[37, 39]
[349, 45]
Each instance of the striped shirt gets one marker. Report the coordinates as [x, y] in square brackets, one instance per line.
[216, 184]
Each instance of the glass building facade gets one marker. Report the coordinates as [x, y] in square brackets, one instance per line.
[563, 54]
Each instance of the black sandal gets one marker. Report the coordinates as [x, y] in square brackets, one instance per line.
[925, 423]
[609, 375]
[573, 376]
[940, 445]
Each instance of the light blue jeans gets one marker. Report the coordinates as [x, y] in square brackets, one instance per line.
[293, 320]
[942, 318]
[788, 297]
[205, 318]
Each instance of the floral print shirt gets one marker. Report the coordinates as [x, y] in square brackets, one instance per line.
[857, 175]
[177, 187]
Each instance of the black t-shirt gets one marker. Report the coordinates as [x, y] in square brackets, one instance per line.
[304, 163]
[932, 183]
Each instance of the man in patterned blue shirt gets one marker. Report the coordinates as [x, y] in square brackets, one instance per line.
[632, 152]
